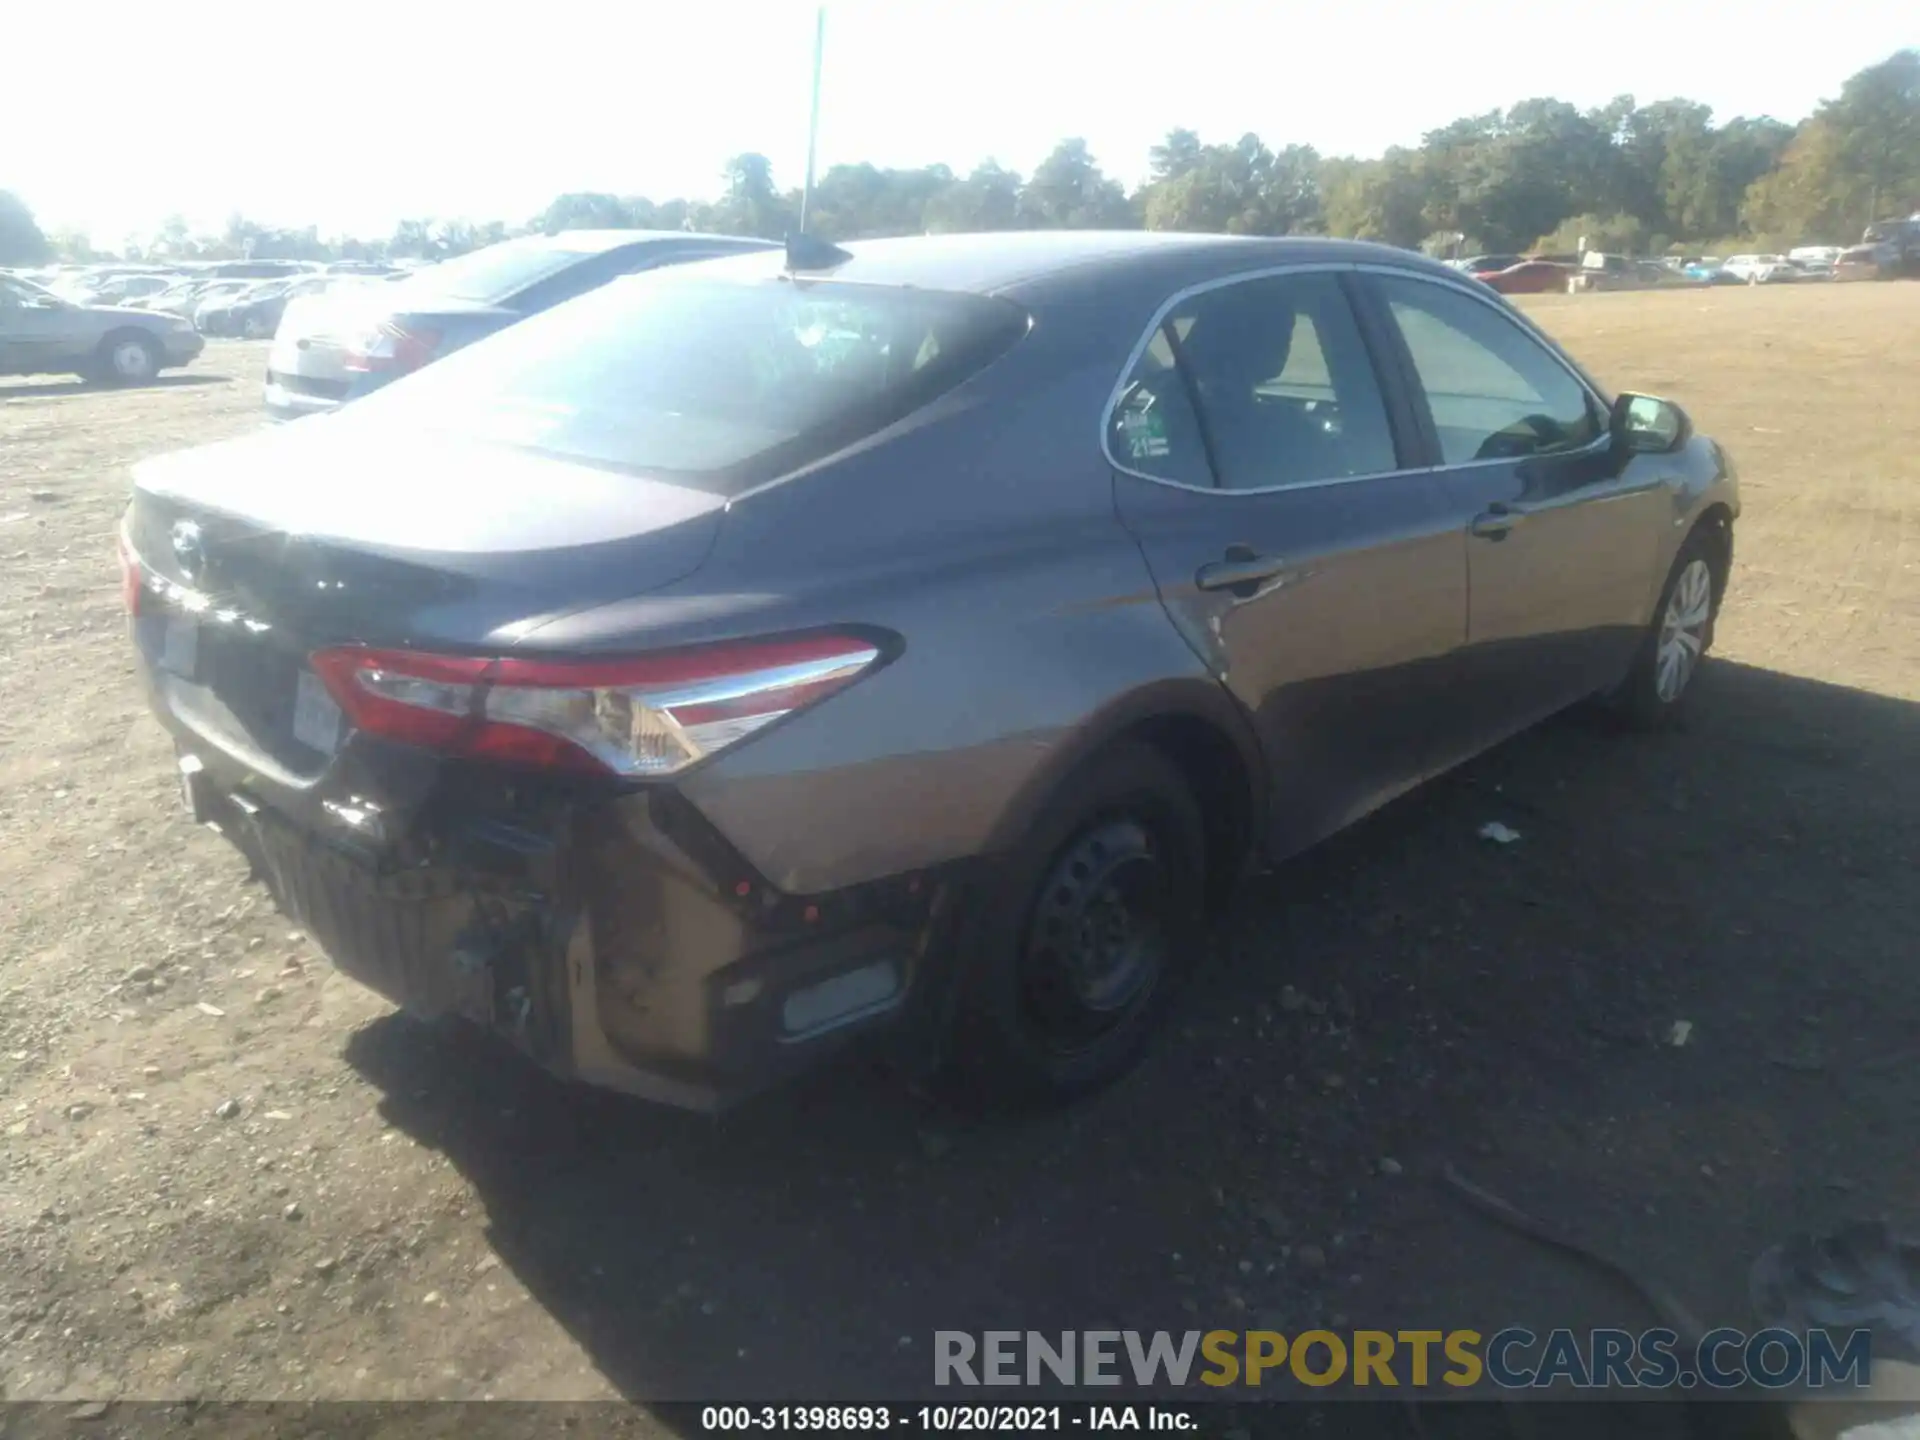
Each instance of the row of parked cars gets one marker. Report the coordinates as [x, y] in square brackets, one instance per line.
[238, 298]
[1595, 270]
[125, 323]
[1888, 249]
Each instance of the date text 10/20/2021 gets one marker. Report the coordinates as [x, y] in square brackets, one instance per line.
[923, 1419]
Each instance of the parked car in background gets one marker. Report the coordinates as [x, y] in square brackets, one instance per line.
[1478, 265]
[1897, 246]
[1864, 262]
[188, 296]
[212, 315]
[1815, 254]
[1529, 277]
[259, 269]
[122, 289]
[1814, 269]
[42, 333]
[254, 313]
[655, 684]
[332, 349]
[1711, 272]
[1762, 269]
[1600, 271]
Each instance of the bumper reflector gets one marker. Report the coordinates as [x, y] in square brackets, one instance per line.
[844, 997]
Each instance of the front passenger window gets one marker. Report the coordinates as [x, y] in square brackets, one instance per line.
[1495, 393]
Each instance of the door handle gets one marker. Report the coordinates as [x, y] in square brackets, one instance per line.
[1494, 522]
[1242, 572]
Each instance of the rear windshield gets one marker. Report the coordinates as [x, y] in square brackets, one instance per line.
[496, 273]
[716, 383]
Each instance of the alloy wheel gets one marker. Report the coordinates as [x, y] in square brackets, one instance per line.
[1683, 631]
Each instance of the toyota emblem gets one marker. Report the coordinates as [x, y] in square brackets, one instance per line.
[189, 549]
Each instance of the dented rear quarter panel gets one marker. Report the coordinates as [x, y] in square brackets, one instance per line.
[981, 532]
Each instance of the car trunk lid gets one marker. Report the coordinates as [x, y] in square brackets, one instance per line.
[256, 552]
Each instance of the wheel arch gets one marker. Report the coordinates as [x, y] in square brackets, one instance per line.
[1715, 527]
[1204, 734]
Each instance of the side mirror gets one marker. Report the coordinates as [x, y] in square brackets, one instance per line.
[1648, 425]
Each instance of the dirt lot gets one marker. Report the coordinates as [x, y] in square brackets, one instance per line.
[390, 1216]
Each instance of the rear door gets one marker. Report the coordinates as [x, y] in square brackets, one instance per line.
[1562, 532]
[1264, 469]
[37, 332]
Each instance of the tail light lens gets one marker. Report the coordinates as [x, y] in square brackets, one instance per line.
[648, 716]
[391, 348]
[131, 582]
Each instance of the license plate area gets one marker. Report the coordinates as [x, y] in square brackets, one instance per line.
[316, 717]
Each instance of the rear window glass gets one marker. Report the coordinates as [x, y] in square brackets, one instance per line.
[718, 383]
[495, 273]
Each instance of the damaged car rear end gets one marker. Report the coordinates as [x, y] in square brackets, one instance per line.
[443, 666]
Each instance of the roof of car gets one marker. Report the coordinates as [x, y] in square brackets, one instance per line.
[588, 242]
[1007, 260]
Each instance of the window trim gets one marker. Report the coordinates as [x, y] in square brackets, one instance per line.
[1409, 377]
[1389, 382]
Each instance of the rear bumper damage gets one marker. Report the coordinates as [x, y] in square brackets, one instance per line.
[614, 939]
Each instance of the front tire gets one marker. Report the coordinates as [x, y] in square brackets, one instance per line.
[1664, 668]
[1080, 935]
[126, 358]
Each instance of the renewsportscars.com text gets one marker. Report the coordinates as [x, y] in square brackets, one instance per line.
[1510, 1359]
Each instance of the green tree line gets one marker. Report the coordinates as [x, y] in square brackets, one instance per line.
[1540, 174]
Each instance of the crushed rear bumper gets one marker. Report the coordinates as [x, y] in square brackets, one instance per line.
[614, 939]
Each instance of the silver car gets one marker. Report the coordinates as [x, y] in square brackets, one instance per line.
[42, 334]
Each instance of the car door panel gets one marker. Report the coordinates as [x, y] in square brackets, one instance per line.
[1330, 604]
[1561, 534]
[1341, 652]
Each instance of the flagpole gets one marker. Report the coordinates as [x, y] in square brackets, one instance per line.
[813, 121]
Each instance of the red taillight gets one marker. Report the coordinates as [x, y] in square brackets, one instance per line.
[651, 715]
[131, 583]
[391, 348]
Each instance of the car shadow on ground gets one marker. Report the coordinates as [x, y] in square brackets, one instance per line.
[41, 389]
[1672, 1016]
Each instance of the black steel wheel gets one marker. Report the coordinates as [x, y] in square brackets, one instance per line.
[1074, 943]
[1097, 942]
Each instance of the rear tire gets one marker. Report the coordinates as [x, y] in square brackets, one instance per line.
[126, 357]
[1080, 935]
[1668, 662]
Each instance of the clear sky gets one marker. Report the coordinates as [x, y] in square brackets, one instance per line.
[353, 115]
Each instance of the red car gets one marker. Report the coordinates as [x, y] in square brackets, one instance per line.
[1529, 277]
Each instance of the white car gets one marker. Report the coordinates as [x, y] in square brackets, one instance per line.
[1762, 269]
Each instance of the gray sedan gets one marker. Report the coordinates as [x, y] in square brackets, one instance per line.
[42, 334]
[916, 637]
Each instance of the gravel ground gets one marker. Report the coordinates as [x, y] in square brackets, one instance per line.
[228, 1172]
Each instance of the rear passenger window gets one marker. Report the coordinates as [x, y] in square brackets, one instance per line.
[1263, 384]
[1154, 431]
[1495, 392]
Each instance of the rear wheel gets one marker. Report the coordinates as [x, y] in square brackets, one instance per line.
[1077, 941]
[126, 358]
